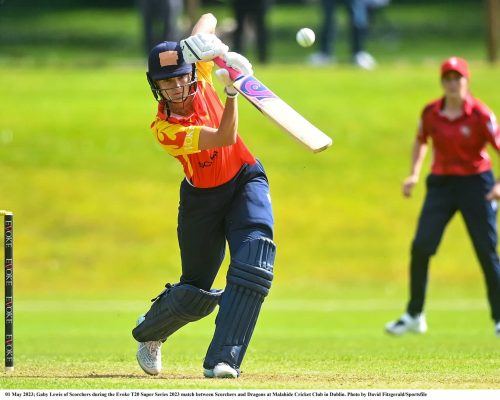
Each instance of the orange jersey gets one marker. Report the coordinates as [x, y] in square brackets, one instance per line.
[179, 136]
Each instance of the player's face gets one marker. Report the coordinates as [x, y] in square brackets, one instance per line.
[455, 85]
[175, 90]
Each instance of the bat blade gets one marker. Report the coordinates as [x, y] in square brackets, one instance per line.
[282, 114]
[278, 111]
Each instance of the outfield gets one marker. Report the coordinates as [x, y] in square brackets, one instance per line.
[300, 344]
[95, 202]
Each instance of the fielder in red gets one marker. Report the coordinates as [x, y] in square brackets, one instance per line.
[224, 198]
[460, 127]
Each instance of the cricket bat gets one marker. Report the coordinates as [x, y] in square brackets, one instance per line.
[277, 110]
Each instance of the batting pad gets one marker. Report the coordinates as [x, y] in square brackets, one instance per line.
[174, 308]
[248, 282]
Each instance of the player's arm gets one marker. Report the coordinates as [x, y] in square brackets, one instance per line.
[206, 24]
[492, 132]
[419, 151]
[203, 45]
[227, 133]
[494, 193]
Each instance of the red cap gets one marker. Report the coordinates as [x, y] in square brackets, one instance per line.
[456, 64]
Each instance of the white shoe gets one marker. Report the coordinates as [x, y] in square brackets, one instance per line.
[497, 328]
[364, 60]
[149, 354]
[407, 323]
[149, 357]
[320, 59]
[221, 370]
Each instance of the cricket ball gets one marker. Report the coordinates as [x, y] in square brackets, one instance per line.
[305, 37]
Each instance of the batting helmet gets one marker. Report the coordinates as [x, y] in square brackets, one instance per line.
[166, 61]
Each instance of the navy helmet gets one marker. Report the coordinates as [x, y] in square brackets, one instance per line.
[166, 61]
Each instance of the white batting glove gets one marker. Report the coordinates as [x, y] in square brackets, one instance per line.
[225, 79]
[202, 47]
[238, 62]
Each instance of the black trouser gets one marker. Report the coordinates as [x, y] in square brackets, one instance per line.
[159, 19]
[446, 195]
[253, 12]
[358, 16]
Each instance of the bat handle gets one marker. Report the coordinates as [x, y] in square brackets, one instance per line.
[233, 74]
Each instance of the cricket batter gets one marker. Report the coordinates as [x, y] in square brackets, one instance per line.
[460, 127]
[223, 197]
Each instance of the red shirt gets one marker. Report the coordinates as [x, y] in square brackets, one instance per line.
[179, 136]
[459, 145]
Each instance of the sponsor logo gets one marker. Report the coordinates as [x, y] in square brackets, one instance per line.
[188, 140]
[9, 348]
[8, 271]
[9, 310]
[8, 235]
[252, 87]
[207, 163]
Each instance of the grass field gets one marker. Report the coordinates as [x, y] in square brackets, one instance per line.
[300, 343]
[95, 204]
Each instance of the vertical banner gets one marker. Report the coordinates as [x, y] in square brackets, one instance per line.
[9, 290]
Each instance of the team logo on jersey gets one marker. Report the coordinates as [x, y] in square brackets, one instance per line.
[465, 131]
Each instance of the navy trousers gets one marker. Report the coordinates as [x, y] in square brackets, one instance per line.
[236, 211]
[445, 196]
[358, 15]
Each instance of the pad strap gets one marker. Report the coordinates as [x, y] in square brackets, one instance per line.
[175, 307]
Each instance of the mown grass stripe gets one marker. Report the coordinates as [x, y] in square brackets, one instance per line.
[272, 305]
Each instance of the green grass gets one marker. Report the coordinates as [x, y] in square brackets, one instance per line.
[300, 344]
[81, 170]
[95, 211]
[95, 202]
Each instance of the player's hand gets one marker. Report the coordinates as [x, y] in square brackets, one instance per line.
[225, 79]
[408, 185]
[238, 62]
[202, 47]
[494, 193]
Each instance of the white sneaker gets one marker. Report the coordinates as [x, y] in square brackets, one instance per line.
[497, 328]
[364, 60]
[407, 323]
[320, 59]
[149, 357]
[149, 354]
[221, 370]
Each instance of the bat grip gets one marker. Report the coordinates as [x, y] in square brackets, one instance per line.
[233, 74]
